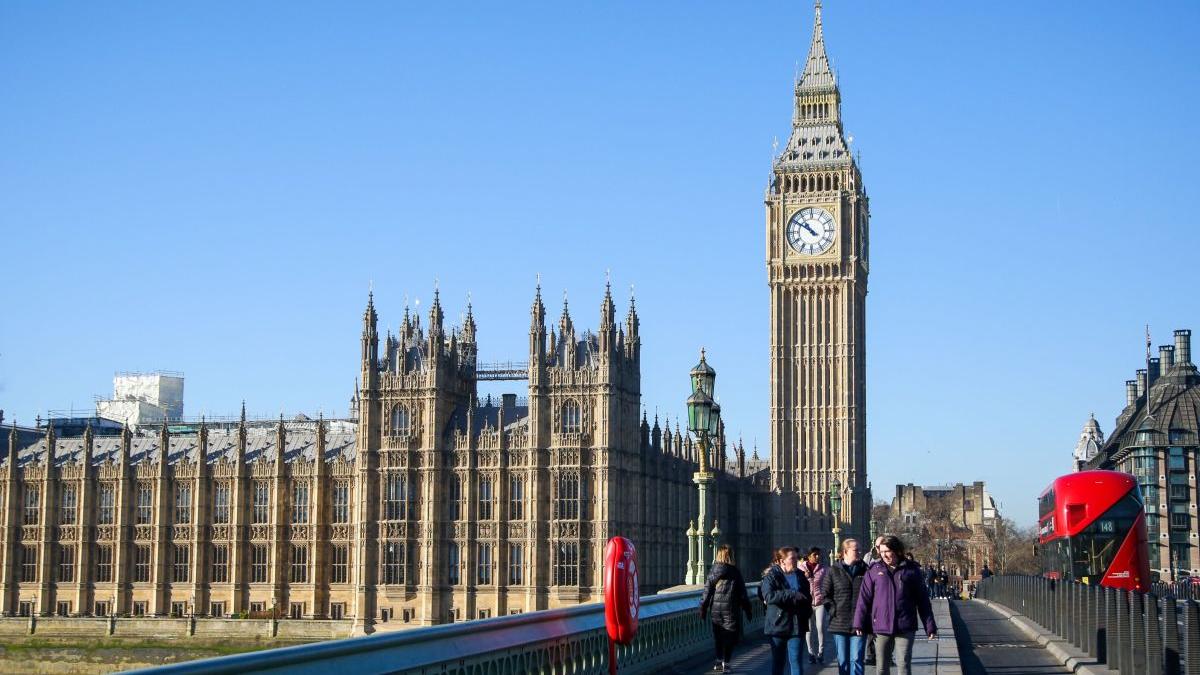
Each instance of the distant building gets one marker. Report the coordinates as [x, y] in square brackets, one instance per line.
[954, 520]
[1157, 439]
[1091, 440]
[144, 398]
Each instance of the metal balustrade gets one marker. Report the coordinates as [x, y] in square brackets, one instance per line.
[1131, 632]
[551, 642]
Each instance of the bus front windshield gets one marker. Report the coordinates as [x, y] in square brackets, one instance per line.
[1094, 548]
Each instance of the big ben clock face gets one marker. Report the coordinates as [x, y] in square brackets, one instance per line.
[811, 231]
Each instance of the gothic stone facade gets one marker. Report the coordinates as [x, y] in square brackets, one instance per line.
[429, 507]
[817, 245]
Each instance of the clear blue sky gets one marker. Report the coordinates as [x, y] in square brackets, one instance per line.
[211, 188]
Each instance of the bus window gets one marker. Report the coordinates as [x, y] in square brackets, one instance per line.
[1095, 547]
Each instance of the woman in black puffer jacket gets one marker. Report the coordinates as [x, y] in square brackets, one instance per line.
[724, 602]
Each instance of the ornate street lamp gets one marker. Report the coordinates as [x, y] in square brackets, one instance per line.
[704, 420]
[835, 508]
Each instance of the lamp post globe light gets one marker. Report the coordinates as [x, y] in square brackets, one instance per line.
[835, 509]
[704, 420]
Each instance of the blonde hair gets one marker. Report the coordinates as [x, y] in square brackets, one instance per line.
[725, 554]
[846, 544]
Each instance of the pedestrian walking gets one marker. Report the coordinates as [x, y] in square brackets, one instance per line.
[985, 572]
[789, 605]
[724, 603]
[890, 602]
[931, 581]
[841, 587]
[815, 570]
[871, 558]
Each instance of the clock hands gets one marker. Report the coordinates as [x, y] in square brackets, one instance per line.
[805, 225]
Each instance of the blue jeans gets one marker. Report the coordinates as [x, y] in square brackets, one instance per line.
[785, 651]
[850, 653]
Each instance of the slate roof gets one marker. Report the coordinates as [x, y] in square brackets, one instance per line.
[222, 443]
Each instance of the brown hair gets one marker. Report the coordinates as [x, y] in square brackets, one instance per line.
[780, 554]
[725, 554]
[894, 544]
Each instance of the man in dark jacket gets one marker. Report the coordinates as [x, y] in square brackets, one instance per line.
[725, 601]
[890, 601]
[841, 586]
[789, 607]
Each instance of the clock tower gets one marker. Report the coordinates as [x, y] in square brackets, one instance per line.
[817, 236]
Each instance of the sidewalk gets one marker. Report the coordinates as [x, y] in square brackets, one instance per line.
[930, 657]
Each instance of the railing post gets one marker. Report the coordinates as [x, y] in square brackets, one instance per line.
[1154, 645]
[1120, 643]
[1072, 619]
[1099, 632]
[1191, 637]
[1171, 653]
[1045, 602]
[1113, 633]
[1137, 630]
[1061, 609]
[1088, 620]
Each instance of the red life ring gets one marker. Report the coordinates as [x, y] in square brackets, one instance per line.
[621, 596]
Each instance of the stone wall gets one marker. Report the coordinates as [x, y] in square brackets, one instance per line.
[284, 630]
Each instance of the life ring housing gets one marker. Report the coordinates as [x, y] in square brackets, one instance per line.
[621, 596]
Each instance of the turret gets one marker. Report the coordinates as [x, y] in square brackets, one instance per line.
[370, 337]
[608, 324]
[126, 447]
[537, 329]
[14, 451]
[566, 332]
[437, 331]
[633, 341]
[240, 453]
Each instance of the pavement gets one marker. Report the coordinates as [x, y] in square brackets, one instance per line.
[989, 643]
[1073, 660]
[930, 657]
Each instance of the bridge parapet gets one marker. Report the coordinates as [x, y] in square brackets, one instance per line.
[567, 640]
[1128, 631]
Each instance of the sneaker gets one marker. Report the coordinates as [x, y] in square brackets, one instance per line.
[724, 667]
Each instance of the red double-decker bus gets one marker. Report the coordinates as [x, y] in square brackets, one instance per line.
[1092, 528]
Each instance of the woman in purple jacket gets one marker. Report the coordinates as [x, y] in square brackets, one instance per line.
[892, 598]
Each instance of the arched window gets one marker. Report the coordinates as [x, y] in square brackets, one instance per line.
[485, 499]
[571, 418]
[455, 496]
[452, 564]
[401, 420]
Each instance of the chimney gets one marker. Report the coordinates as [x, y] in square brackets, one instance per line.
[1131, 394]
[1183, 347]
[1166, 358]
[1141, 382]
[1153, 364]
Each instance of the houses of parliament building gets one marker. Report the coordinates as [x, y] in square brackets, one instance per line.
[429, 505]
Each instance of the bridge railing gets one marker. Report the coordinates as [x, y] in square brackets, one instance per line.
[567, 640]
[1131, 632]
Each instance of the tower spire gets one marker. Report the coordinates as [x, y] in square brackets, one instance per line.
[817, 73]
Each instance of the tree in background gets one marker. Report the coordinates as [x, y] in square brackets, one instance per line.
[1014, 547]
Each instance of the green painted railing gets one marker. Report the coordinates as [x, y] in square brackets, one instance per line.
[568, 640]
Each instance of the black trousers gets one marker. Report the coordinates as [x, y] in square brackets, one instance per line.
[725, 641]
